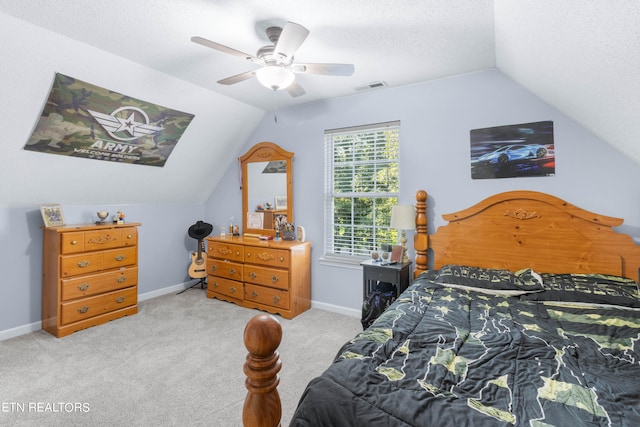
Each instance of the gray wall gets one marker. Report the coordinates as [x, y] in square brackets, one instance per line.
[436, 118]
[435, 121]
[166, 200]
[163, 254]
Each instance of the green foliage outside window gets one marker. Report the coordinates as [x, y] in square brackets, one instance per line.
[363, 185]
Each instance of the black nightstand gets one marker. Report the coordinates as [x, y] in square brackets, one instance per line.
[374, 272]
[381, 285]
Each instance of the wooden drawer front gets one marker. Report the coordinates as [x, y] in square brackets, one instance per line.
[226, 287]
[129, 236]
[266, 296]
[225, 269]
[226, 251]
[102, 239]
[72, 243]
[272, 277]
[99, 304]
[99, 283]
[72, 265]
[266, 256]
[121, 257]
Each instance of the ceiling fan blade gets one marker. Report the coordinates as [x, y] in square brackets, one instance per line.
[328, 69]
[291, 38]
[225, 49]
[295, 90]
[237, 78]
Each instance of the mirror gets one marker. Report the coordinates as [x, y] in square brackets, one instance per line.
[267, 188]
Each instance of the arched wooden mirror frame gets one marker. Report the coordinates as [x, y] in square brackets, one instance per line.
[264, 152]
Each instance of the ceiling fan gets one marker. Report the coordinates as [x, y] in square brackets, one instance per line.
[278, 68]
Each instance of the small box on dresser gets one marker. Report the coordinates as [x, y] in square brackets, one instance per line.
[269, 275]
[89, 276]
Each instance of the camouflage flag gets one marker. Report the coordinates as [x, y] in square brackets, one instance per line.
[83, 120]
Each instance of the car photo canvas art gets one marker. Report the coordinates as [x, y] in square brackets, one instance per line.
[513, 151]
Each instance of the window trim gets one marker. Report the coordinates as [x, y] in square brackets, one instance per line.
[329, 257]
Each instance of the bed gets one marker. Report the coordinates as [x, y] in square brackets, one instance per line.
[529, 316]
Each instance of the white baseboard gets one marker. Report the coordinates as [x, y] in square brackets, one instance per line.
[20, 330]
[36, 326]
[164, 291]
[351, 312]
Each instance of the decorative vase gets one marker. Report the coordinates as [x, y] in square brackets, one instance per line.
[103, 216]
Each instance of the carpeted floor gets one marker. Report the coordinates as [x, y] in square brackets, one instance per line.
[177, 362]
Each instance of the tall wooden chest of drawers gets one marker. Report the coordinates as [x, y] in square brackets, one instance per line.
[273, 276]
[89, 276]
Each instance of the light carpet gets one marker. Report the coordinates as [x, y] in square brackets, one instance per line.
[179, 361]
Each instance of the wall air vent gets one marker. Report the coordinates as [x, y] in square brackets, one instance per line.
[372, 85]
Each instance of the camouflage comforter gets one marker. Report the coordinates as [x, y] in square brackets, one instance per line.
[449, 357]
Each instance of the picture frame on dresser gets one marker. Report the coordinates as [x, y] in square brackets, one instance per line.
[52, 215]
[281, 202]
[255, 219]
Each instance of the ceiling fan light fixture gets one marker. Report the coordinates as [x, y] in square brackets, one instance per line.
[275, 77]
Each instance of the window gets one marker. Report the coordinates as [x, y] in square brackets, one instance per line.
[361, 186]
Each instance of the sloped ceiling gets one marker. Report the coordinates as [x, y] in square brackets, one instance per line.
[580, 56]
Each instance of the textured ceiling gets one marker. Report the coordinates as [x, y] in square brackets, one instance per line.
[581, 56]
[398, 42]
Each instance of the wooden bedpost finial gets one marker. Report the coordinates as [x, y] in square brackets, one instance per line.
[420, 239]
[262, 407]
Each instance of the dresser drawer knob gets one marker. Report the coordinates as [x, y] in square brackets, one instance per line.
[238, 253]
[248, 254]
[120, 257]
[232, 289]
[274, 278]
[214, 267]
[83, 287]
[83, 309]
[120, 299]
[129, 236]
[254, 294]
[253, 275]
[276, 299]
[281, 259]
[83, 264]
[216, 284]
[121, 279]
[232, 271]
[74, 242]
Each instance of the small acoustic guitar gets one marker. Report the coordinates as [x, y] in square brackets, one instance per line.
[198, 268]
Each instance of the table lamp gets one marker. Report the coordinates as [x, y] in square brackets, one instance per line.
[403, 217]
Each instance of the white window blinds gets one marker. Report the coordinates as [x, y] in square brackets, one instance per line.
[361, 186]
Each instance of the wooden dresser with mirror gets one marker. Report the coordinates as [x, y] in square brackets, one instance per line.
[271, 275]
[267, 188]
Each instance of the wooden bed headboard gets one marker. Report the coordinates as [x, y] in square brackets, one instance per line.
[521, 229]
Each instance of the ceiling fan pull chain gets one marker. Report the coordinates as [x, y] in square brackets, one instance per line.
[275, 99]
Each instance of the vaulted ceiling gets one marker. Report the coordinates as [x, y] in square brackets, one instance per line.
[581, 56]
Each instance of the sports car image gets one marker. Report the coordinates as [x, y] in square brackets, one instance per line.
[512, 151]
[514, 160]
[503, 155]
